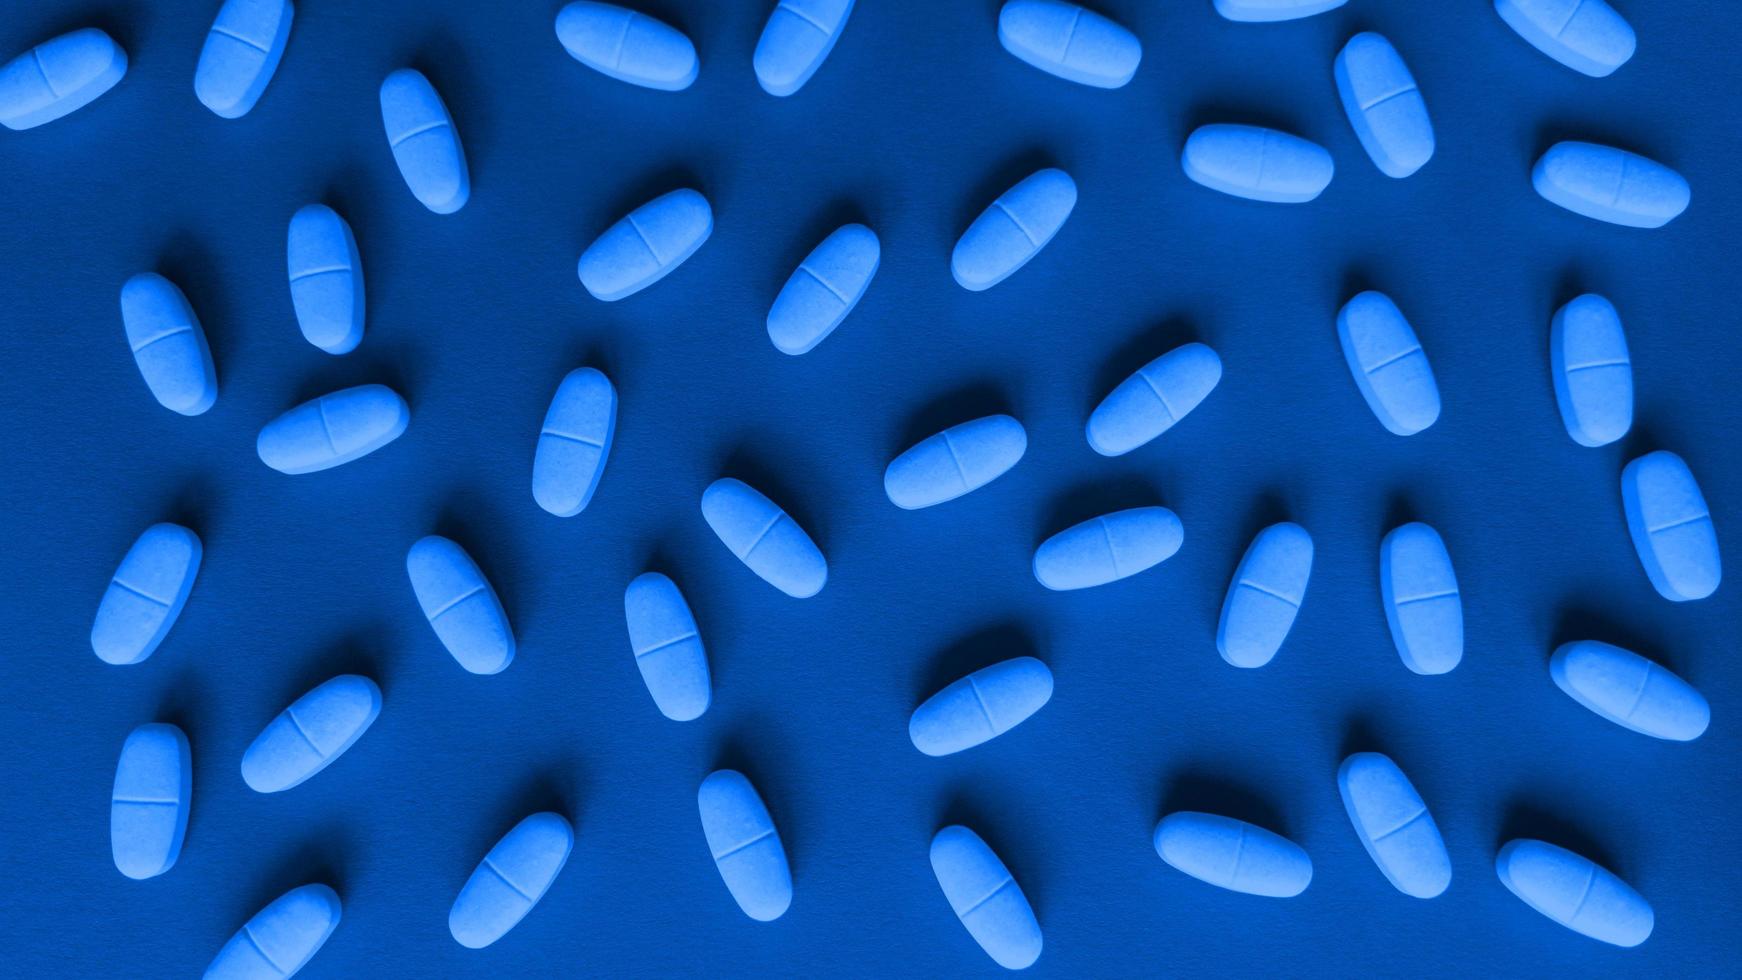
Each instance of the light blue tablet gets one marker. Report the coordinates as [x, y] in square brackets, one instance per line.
[311, 734]
[326, 279]
[1592, 369]
[765, 538]
[1394, 825]
[1610, 185]
[796, 40]
[1070, 41]
[824, 289]
[745, 845]
[1383, 105]
[1013, 229]
[1153, 400]
[1575, 892]
[511, 879]
[168, 344]
[425, 143]
[980, 707]
[146, 594]
[1671, 527]
[667, 646]
[1268, 588]
[1420, 593]
[1265, 11]
[984, 896]
[574, 442]
[646, 245]
[1629, 690]
[1257, 164]
[59, 76]
[959, 460]
[281, 938]
[627, 45]
[1389, 366]
[333, 429]
[242, 52]
[460, 605]
[1108, 548]
[148, 807]
[1587, 36]
[1233, 854]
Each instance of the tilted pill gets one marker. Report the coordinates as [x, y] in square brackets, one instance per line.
[1611, 185]
[281, 938]
[1394, 825]
[824, 289]
[986, 898]
[1593, 372]
[1585, 35]
[168, 344]
[745, 845]
[1575, 892]
[460, 605]
[627, 45]
[1262, 11]
[1384, 105]
[667, 646]
[1108, 548]
[796, 40]
[1388, 363]
[1671, 527]
[333, 429]
[1154, 399]
[1257, 164]
[574, 442]
[146, 594]
[311, 734]
[1069, 41]
[765, 538]
[981, 706]
[59, 76]
[1013, 229]
[148, 807]
[959, 460]
[646, 245]
[241, 54]
[1420, 593]
[425, 143]
[326, 279]
[1233, 854]
[1268, 588]
[1630, 690]
[511, 879]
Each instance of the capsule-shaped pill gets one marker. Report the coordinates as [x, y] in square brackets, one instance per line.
[146, 594]
[1671, 527]
[148, 807]
[667, 646]
[168, 344]
[1069, 41]
[961, 459]
[1593, 373]
[1265, 11]
[1233, 854]
[1388, 363]
[1575, 892]
[986, 898]
[59, 76]
[980, 707]
[1394, 825]
[311, 734]
[281, 938]
[646, 245]
[1153, 400]
[1013, 229]
[1383, 105]
[1268, 588]
[1108, 548]
[765, 538]
[333, 429]
[1611, 185]
[824, 289]
[425, 143]
[796, 40]
[326, 279]
[1588, 36]
[511, 879]
[460, 605]
[1420, 593]
[1257, 164]
[574, 442]
[1630, 690]
[745, 845]
[241, 54]
[627, 45]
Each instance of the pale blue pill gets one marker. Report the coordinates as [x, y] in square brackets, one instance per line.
[281, 938]
[765, 538]
[59, 76]
[242, 52]
[333, 429]
[986, 898]
[146, 594]
[1257, 164]
[745, 846]
[311, 734]
[1263, 11]
[647, 245]
[959, 460]
[1420, 593]
[1384, 106]
[1671, 527]
[824, 289]
[425, 144]
[168, 344]
[1108, 548]
[148, 808]
[1153, 400]
[326, 279]
[1069, 41]
[626, 45]
[668, 647]
[1394, 825]
[1233, 854]
[1265, 597]
[980, 707]
[796, 40]
[1013, 229]
[1587, 36]
[1388, 363]
[1630, 690]
[1593, 372]
[511, 879]
[1611, 185]
[460, 605]
[574, 442]
[1575, 892]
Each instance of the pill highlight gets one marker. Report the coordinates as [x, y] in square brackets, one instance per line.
[460, 605]
[1394, 825]
[1265, 596]
[796, 41]
[1013, 229]
[1384, 105]
[1108, 548]
[311, 734]
[627, 45]
[1262, 11]
[511, 879]
[425, 143]
[1629, 690]
[986, 898]
[667, 646]
[59, 76]
[574, 442]
[765, 538]
[1588, 36]
[1154, 399]
[1069, 41]
[1420, 593]
[824, 288]
[1575, 892]
[326, 279]
[148, 807]
[1610, 185]
[959, 460]
[1593, 372]
[168, 344]
[1388, 363]
[981, 706]
[281, 938]
[1257, 164]
[241, 54]
[146, 594]
[1233, 854]
[647, 245]
[1671, 527]
[745, 845]
[333, 429]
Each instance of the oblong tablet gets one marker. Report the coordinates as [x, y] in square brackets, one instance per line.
[574, 442]
[1154, 399]
[148, 807]
[242, 51]
[796, 40]
[1585, 35]
[1671, 527]
[1069, 41]
[765, 538]
[646, 245]
[146, 594]
[1108, 548]
[824, 288]
[1384, 106]
[511, 879]
[986, 898]
[980, 707]
[1593, 372]
[460, 605]
[627, 45]
[333, 429]
[311, 734]
[668, 648]
[1261, 11]
[59, 76]
[1388, 363]
[425, 144]
[745, 845]
[1575, 892]
[281, 938]
[1394, 825]
[1611, 185]
[1420, 593]
[326, 279]
[168, 344]
[1268, 588]
[961, 459]
[1233, 854]
[1013, 229]
[1630, 690]
[1257, 164]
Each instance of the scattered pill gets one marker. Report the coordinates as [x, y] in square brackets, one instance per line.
[1153, 400]
[574, 442]
[1268, 588]
[333, 429]
[628, 46]
[796, 40]
[765, 538]
[311, 734]
[1630, 690]
[1069, 41]
[1388, 364]
[959, 460]
[1671, 527]
[647, 245]
[986, 898]
[511, 879]
[745, 845]
[146, 594]
[1394, 825]
[1420, 594]
[168, 344]
[981, 706]
[425, 144]
[59, 76]
[1593, 374]
[242, 51]
[1585, 35]
[460, 605]
[668, 648]
[824, 289]
[148, 808]
[1233, 854]
[1257, 164]
[1108, 548]
[1273, 10]
[1384, 105]
[1013, 229]
[1610, 185]
[326, 279]
[281, 938]
[1575, 892]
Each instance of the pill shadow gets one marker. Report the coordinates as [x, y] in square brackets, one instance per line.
[352, 653]
[1583, 621]
[445, 61]
[473, 524]
[119, 21]
[1212, 111]
[1206, 790]
[187, 706]
[976, 399]
[554, 787]
[197, 272]
[1137, 351]
[735, 753]
[1641, 439]
[1094, 499]
[1356, 279]
[397, 368]
[961, 810]
[320, 858]
[1269, 507]
[1525, 817]
[981, 648]
[638, 191]
[1569, 285]
[1590, 129]
[1400, 509]
[743, 464]
[191, 506]
[831, 216]
[991, 186]
[1360, 735]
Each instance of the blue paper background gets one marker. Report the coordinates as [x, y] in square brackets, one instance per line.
[914, 124]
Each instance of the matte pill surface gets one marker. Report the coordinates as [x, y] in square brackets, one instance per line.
[1593, 372]
[1420, 593]
[647, 245]
[1013, 229]
[627, 45]
[1575, 892]
[574, 442]
[796, 40]
[281, 938]
[1585, 35]
[745, 846]
[956, 461]
[1233, 854]
[765, 538]
[242, 52]
[511, 879]
[1394, 825]
[1108, 548]
[311, 734]
[333, 429]
[1265, 596]
[1610, 185]
[59, 76]
[1260, 11]
[146, 594]
[986, 898]
[1153, 400]
[1257, 164]
[168, 344]
[980, 707]
[1384, 106]
[1388, 364]
[460, 605]
[1630, 690]
[1671, 527]
[148, 808]
[824, 289]
[668, 648]
[1069, 41]
[426, 146]
[326, 279]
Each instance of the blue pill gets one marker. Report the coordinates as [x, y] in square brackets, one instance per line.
[1265, 596]
[1388, 364]
[311, 734]
[1630, 690]
[1108, 548]
[1069, 41]
[647, 245]
[1384, 106]
[1394, 825]
[986, 898]
[1420, 593]
[281, 938]
[146, 594]
[959, 460]
[1153, 400]
[511, 879]
[1610, 185]
[1671, 527]
[1575, 892]
[980, 707]
[668, 648]
[797, 38]
[626, 45]
[745, 846]
[168, 344]
[326, 279]
[148, 808]
[765, 538]
[1593, 373]
[460, 605]
[59, 76]
[574, 442]
[1233, 854]
[425, 144]
[824, 289]
[1263, 11]
[1013, 229]
[242, 51]
[333, 429]
[1257, 164]
[1585, 35]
